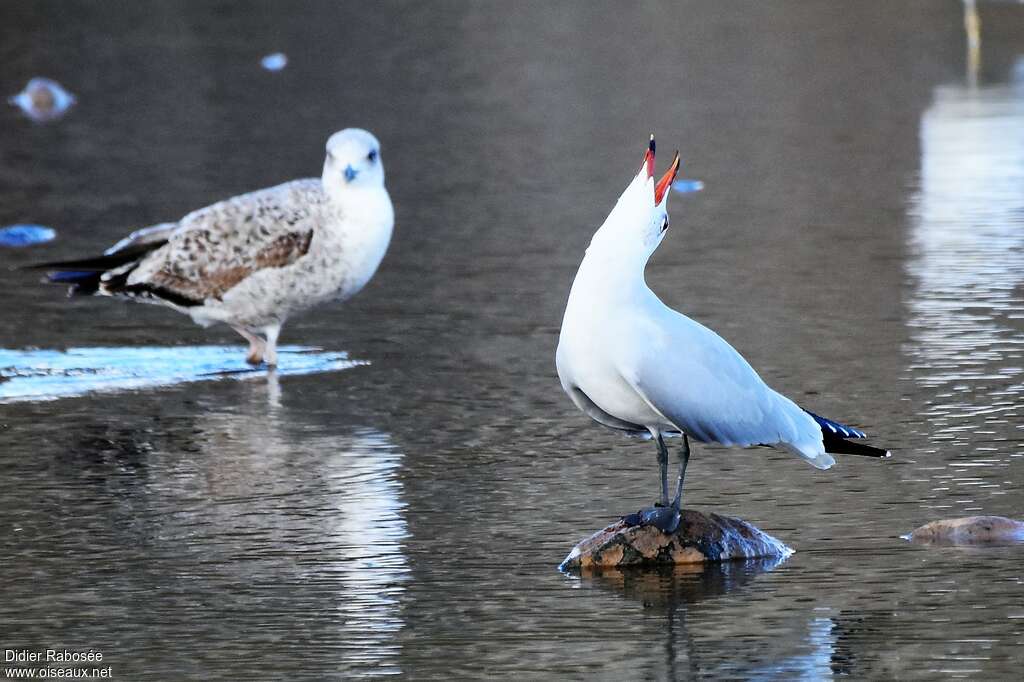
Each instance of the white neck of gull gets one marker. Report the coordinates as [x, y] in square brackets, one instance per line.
[614, 263]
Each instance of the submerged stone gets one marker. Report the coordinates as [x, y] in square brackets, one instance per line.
[700, 538]
[43, 100]
[969, 530]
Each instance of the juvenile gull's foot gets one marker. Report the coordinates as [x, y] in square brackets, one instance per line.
[665, 519]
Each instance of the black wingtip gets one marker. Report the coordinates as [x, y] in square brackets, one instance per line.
[836, 438]
[840, 430]
[650, 145]
[840, 446]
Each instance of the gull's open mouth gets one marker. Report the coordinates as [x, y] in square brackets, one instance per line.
[666, 180]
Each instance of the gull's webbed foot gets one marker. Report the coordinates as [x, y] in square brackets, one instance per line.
[665, 519]
[254, 356]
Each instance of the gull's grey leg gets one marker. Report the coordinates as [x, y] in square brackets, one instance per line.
[257, 346]
[272, 332]
[684, 459]
[662, 516]
[663, 465]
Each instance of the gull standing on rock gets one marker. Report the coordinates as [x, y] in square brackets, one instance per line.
[631, 363]
[253, 260]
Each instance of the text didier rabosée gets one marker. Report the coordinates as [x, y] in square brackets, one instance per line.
[51, 656]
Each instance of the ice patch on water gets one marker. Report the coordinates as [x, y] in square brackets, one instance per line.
[35, 375]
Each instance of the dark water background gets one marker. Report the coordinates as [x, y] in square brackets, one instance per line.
[860, 240]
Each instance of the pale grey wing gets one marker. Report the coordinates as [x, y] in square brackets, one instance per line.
[219, 246]
[144, 237]
[702, 385]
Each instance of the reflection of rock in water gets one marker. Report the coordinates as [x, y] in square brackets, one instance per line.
[670, 587]
[674, 589]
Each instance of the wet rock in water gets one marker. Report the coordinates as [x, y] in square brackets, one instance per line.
[969, 530]
[275, 61]
[43, 100]
[700, 538]
[25, 235]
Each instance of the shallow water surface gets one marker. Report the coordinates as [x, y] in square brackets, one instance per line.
[858, 238]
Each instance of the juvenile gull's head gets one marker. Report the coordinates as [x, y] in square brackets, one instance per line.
[353, 161]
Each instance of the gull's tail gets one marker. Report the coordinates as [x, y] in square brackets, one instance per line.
[836, 439]
[85, 275]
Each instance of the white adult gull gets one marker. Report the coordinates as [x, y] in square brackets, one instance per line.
[253, 260]
[631, 363]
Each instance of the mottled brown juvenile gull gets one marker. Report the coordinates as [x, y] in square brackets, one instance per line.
[253, 260]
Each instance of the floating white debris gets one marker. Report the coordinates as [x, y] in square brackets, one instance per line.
[687, 186]
[25, 235]
[275, 61]
[43, 100]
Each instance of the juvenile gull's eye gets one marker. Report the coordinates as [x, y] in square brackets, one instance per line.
[372, 156]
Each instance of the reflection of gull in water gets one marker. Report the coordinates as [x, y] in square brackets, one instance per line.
[50, 374]
[330, 503]
[370, 531]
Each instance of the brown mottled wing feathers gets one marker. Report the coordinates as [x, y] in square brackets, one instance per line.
[221, 245]
[214, 280]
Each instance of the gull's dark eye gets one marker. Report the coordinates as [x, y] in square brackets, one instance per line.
[372, 156]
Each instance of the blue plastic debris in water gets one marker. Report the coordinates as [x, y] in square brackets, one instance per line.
[25, 235]
[43, 100]
[687, 186]
[274, 62]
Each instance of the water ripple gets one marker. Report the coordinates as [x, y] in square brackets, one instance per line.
[966, 264]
